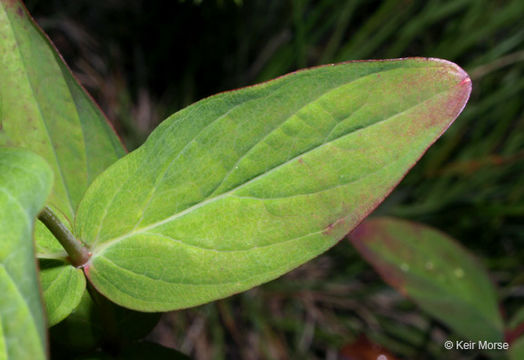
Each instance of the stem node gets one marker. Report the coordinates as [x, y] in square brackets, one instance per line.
[78, 254]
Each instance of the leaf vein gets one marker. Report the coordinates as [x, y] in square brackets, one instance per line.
[255, 178]
[55, 155]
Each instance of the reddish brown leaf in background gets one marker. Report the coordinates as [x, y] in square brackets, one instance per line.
[514, 333]
[363, 349]
[434, 271]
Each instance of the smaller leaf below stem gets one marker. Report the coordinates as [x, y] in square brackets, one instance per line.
[78, 254]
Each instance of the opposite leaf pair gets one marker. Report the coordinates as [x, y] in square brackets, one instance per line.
[226, 194]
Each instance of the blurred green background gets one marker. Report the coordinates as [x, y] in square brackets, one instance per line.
[143, 60]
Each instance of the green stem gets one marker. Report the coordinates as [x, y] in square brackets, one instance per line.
[78, 254]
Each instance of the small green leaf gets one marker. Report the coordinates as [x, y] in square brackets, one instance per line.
[435, 272]
[62, 284]
[25, 183]
[62, 287]
[244, 186]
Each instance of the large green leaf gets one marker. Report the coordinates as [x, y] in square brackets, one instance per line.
[44, 109]
[435, 272]
[25, 183]
[244, 186]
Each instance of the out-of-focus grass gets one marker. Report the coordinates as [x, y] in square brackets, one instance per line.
[144, 60]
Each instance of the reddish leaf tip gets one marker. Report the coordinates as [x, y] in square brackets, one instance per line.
[459, 94]
[464, 81]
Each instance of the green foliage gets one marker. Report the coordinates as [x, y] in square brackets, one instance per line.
[62, 287]
[46, 111]
[244, 186]
[25, 183]
[49, 113]
[293, 168]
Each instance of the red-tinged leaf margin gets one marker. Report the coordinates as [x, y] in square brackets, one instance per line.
[465, 83]
[461, 90]
[21, 11]
[515, 333]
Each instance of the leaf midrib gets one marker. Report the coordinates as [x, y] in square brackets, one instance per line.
[42, 118]
[181, 152]
[110, 242]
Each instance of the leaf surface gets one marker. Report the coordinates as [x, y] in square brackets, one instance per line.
[25, 183]
[244, 186]
[62, 286]
[435, 272]
[44, 109]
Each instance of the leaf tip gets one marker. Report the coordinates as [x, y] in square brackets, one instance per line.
[458, 89]
[463, 81]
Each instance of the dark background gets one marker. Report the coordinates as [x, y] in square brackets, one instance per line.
[143, 60]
